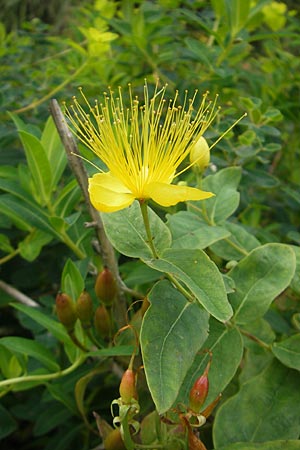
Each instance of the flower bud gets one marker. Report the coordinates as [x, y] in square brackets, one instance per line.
[127, 387]
[66, 311]
[102, 322]
[200, 154]
[114, 441]
[106, 287]
[199, 391]
[84, 308]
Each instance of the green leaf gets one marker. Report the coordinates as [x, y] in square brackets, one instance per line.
[13, 210]
[10, 365]
[31, 246]
[288, 351]
[54, 150]
[31, 348]
[8, 423]
[259, 279]
[266, 407]
[5, 244]
[53, 415]
[126, 231]
[224, 185]
[237, 245]
[72, 282]
[226, 347]
[67, 198]
[172, 332]
[26, 217]
[295, 283]
[200, 275]
[189, 231]
[269, 445]
[43, 319]
[39, 165]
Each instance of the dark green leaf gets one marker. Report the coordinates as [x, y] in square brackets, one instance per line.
[8, 423]
[259, 278]
[288, 351]
[200, 275]
[126, 231]
[173, 330]
[188, 231]
[31, 348]
[267, 407]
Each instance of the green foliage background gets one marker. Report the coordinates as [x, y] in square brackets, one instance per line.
[247, 52]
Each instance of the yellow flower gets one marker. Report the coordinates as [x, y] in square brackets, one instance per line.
[142, 145]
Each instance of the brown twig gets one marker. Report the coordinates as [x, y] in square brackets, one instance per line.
[76, 164]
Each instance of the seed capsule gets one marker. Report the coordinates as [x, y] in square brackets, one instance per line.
[127, 387]
[102, 322]
[106, 287]
[84, 308]
[114, 441]
[66, 311]
[199, 391]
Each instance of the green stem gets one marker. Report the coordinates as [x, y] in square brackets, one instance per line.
[9, 256]
[144, 210]
[255, 339]
[68, 241]
[44, 377]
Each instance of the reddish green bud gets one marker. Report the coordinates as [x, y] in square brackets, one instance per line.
[66, 311]
[114, 441]
[84, 308]
[127, 387]
[106, 287]
[199, 391]
[102, 322]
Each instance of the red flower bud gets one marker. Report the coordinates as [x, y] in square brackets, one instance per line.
[66, 311]
[127, 387]
[102, 322]
[106, 287]
[84, 308]
[114, 441]
[199, 391]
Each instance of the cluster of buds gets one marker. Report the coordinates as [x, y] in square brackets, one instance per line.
[69, 311]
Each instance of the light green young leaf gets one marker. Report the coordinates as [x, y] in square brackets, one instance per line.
[31, 246]
[39, 166]
[126, 231]
[31, 348]
[172, 332]
[200, 275]
[266, 407]
[55, 152]
[288, 351]
[72, 282]
[260, 278]
[189, 231]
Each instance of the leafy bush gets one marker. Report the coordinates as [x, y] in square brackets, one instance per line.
[181, 302]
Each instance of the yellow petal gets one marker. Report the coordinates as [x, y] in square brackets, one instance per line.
[108, 194]
[171, 194]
